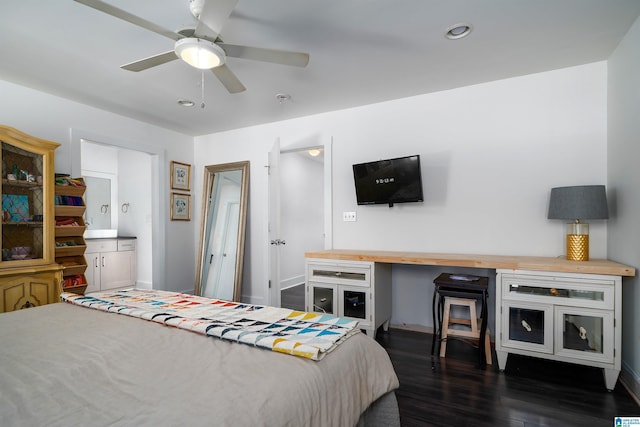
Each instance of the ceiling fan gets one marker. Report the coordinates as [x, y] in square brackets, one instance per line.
[202, 47]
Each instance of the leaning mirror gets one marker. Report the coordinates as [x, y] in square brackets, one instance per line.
[224, 216]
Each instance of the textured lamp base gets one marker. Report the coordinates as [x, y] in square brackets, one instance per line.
[578, 247]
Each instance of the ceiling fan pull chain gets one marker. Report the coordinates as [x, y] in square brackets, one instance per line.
[202, 87]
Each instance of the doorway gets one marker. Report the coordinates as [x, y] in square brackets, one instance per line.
[300, 212]
[143, 216]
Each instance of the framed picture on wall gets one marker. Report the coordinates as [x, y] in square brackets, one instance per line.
[180, 176]
[180, 207]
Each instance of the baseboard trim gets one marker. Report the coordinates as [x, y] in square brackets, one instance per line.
[291, 282]
[628, 381]
[292, 285]
[145, 285]
[412, 327]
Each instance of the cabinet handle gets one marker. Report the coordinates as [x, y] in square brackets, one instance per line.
[103, 261]
[96, 262]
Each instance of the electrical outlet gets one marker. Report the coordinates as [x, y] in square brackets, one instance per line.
[349, 216]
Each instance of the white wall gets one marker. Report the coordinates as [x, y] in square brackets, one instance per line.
[490, 154]
[624, 182]
[57, 119]
[134, 219]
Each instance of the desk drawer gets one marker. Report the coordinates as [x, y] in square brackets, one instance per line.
[571, 291]
[344, 274]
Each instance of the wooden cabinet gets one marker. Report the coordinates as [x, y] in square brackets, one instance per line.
[568, 317]
[29, 290]
[28, 273]
[69, 231]
[356, 290]
[111, 263]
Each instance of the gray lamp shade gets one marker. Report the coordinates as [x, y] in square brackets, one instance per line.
[578, 203]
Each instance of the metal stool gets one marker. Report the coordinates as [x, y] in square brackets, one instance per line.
[466, 287]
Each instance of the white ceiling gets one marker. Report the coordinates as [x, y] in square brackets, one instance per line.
[361, 52]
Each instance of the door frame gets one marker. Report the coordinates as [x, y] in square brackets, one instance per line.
[159, 199]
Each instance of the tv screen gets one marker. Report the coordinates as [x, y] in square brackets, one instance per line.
[388, 181]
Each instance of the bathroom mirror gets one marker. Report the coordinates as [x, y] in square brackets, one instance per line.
[100, 217]
[222, 231]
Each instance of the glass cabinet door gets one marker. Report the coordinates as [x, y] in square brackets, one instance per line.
[584, 334]
[354, 302]
[528, 326]
[322, 299]
[22, 206]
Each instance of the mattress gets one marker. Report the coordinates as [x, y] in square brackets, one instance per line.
[66, 365]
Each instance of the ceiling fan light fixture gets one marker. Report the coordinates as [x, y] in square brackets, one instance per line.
[199, 53]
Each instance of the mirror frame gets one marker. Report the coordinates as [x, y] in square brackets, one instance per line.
[209, 175]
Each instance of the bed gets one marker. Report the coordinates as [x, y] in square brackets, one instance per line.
[97, 364]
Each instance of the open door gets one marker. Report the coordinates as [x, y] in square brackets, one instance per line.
[274, 225]
[300, 212]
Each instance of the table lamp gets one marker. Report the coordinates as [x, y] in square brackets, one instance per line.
[578, 203]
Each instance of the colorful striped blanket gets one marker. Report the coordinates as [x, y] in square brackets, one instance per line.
[308, 335]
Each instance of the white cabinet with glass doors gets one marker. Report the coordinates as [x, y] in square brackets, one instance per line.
[568, 317]
[355, 290]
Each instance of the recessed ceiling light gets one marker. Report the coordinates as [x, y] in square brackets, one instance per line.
[458, 31]
[186, 103]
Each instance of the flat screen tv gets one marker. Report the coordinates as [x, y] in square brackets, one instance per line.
[388, 181]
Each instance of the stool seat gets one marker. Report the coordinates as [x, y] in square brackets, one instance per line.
[466, 290]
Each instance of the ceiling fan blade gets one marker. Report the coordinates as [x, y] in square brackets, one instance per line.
[151, 61]
[213, 17]
[133, 19]
[297, 59]
[228, 79]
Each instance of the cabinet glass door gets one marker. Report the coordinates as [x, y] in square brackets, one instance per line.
[22, 205]
[354, 304]
[322, 299]
[584, 334]
[528, 326]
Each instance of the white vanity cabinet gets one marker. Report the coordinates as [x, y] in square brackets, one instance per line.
[569, 317]
[359, 290]
[111, 264]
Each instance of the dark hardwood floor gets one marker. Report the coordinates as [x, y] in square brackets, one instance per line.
[530, 392]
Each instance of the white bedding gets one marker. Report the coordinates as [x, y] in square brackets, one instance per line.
[64, 365]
